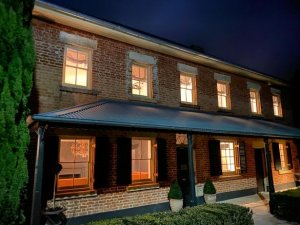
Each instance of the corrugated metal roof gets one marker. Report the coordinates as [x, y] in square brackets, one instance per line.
[142, 115]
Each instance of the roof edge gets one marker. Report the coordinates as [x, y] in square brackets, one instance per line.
[90, 24]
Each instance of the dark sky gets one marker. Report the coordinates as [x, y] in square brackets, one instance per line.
[263, 35]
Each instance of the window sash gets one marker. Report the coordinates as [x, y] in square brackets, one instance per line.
[222, 95]
[277, 105]
[140, 80]
[76, 164]
[229, 158]
[187, 88]
[76, 67]
[142, 161]
[255, 102]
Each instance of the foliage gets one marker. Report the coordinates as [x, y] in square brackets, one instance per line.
[209, 187]
[286, 204]
[16, 66]
[213, 214]
[175, 191]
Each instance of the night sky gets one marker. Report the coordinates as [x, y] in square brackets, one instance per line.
[263, 35]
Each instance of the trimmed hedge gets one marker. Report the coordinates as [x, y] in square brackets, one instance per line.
[212, 214]
[286, 204]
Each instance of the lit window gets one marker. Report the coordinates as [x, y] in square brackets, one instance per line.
[141, 80]
[223, 96]
[188, 88]
[76, 67]
[255, 102]
[227, 157]
[142, 160]
[277, 105]
[282, 153]
[74, 156]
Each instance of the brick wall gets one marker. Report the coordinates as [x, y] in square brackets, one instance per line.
[109, 76]
[91, 204]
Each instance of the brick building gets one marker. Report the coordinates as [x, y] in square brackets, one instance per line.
[125, 114]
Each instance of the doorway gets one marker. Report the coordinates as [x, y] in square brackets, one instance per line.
[260, 169]
[183, 172]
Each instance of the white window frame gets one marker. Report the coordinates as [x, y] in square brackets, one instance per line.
[226, 95]
[90, 164]
[89, 69]
[152, 162]
[279, 106]
[256, 101]
[193, 90]
[148, 79]
[236, 158]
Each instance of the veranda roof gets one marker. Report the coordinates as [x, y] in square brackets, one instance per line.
[153, 116]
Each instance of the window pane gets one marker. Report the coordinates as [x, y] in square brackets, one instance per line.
[144, 88]
[71, 59]
[81, 77]
[70, 75]
[143, 73]
[82, 151]
[189, 96]
[82, 60]
[145, 169]
[183, 95]
[135, 170]
[66, 150]
[135, 72]
[81, 173]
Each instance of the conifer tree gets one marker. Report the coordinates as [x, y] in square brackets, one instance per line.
[16, 67]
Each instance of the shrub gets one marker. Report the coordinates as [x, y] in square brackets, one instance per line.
[209, 187]
[286, 204]
[175, 191]
[213, 214]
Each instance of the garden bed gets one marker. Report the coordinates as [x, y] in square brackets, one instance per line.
[212, 214]
[286, 204]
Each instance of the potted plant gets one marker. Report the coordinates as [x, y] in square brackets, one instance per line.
[209, 192]
[175, 197]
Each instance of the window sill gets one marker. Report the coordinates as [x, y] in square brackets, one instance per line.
[141, 98]
[285, 171]
[224, 110]
[142, 187]
[189, 105]
[78, 90]
[230, 177]
[75, 195]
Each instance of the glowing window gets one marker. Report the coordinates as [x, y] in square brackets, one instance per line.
[227, 157]
[76, 67]
[74, 156]
[188, 88]
[141, 80]
[223, 96]
[277, 105]
[255, 102]
[283, 156]
[142, 160]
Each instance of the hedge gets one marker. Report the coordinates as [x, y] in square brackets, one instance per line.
[286, 205]
[212, 214]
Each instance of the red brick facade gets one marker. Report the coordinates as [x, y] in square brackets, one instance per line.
[109, 81]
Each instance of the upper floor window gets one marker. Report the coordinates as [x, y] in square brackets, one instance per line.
[255, 102]
[75, 158]
[277, 105]
[188, 88]
[223, 95]
[142, 160]
[77, 67]
[141, 81]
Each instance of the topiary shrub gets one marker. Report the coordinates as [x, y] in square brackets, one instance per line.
[175, 191]
[286, 205]
[213, 214]
[209, 187]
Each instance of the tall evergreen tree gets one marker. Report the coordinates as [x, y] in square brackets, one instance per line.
[16, 66]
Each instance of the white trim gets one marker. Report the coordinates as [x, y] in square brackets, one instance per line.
[77, 40]
[222, 77]
[141, 58]
[255, 86]
[187, 69]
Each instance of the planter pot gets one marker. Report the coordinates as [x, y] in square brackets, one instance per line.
[176, 204]
[210, 198]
